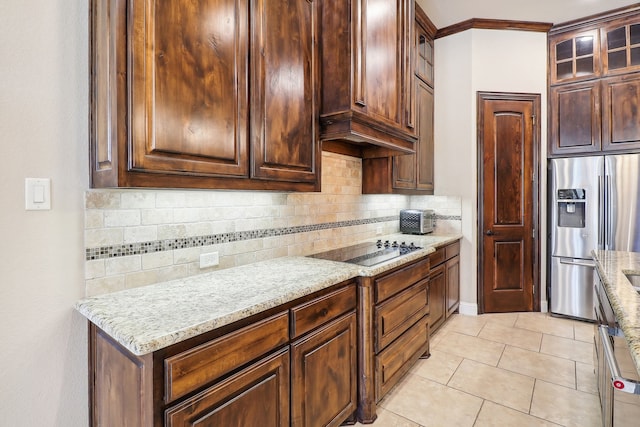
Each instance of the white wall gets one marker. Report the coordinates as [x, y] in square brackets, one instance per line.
[43, 132]
[465, 63]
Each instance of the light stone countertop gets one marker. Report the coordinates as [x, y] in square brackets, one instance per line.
[625, 300]
[153, 317]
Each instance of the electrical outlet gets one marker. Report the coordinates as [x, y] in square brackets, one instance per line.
[209, 260]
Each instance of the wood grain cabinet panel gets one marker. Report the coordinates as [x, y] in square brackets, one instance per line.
[194, 368]
[324, 375]
[575, 118]
[411, 173]
[621, 113]
[257, 396]
[284, 86]
[392, 283]
[199, 94]
[312, 314]
[444, 284]
[367, 73]
[574, 56]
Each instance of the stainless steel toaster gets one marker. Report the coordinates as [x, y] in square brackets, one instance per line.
[416, 221]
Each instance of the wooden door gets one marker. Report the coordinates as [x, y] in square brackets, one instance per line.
[284, 101]
[324, 375]
[507, 208]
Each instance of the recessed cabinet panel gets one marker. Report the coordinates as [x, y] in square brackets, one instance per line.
[574, 114]
[284, 90]
[189, 88]
[621, 113]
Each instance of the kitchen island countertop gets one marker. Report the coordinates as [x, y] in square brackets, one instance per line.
[153, 317]
[625, 300]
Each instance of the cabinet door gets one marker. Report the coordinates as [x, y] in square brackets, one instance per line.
[621, 47]
[379, 33]
[188, 87]
[324, 375]
[284, 99]
[424, 55]
[256, 396]
[574, 118]
[415, 171]
[574, 56]
[621, 113]
[425, 152]
[453, 284]
[437, 290]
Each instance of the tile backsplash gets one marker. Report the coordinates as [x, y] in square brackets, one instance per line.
[136, 237]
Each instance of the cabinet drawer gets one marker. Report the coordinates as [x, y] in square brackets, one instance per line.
[257, 395]
[395, 282]
[192, 369]
[314, 313]
[397, 314]
[438, 257]
[399, 357]
[452, 250]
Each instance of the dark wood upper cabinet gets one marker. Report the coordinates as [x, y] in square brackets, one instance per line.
[621, 112]
[411, 173]
[574, 56]
[594, 92]
[368, 95]
[621, 47]
[574, 118]
[172, 85]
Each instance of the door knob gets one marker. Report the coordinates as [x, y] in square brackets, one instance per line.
[489, 233]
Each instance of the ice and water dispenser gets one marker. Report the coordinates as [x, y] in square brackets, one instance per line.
[571, 208]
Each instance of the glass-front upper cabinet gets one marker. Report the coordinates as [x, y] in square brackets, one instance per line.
[424, 63]
[621, 48]
[574, 56]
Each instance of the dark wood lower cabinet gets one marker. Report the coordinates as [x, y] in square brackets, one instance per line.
[394, 331]
[323, 375]
[444, 284]
[294, 365]
[256, 396]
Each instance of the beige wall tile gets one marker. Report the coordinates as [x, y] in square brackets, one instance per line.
[140, 234]
[93, 218]
[104, 285]
[157, 259]
[138, 200]
[121, 218]
[103, 237]
[156, 216]
[102, 199]
[186, 255]
[125, 264]
[94, 269]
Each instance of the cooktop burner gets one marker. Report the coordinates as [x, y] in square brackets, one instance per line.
[368, 254]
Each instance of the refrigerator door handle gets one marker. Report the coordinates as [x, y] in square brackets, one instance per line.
[601, 212]
[581, 263]
[609, 213]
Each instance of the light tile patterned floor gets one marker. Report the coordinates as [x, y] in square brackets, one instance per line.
[514, 369]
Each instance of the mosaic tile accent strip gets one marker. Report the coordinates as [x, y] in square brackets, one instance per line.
[448, 217]
[198, 241]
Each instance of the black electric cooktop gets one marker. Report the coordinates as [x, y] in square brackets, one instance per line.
[368, 254]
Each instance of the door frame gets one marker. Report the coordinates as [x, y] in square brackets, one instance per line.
[509, 96]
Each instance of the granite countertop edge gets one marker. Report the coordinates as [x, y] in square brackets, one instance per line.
[149, 318]
[625, 300]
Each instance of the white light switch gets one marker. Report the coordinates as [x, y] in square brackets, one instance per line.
[37, 194]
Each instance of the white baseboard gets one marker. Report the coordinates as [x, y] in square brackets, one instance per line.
[544, 306]
[468, 309]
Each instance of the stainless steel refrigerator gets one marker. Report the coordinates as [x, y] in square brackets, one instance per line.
[594, 202]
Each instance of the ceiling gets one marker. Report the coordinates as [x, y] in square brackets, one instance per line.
[448, 12]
